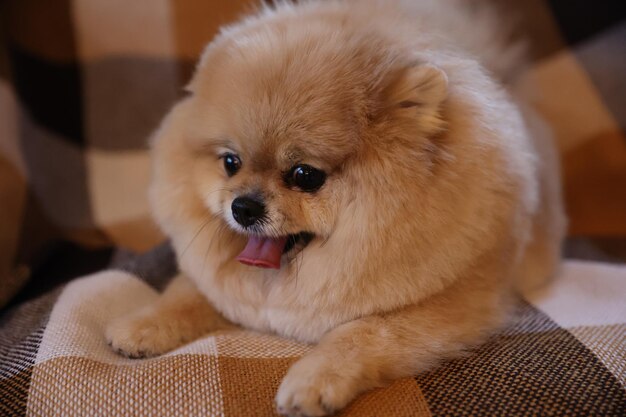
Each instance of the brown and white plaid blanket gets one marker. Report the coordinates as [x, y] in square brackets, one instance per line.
[564, 354]
[82, 85]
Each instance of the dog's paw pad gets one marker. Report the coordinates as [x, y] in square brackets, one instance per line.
[310, 392]
[139, 337]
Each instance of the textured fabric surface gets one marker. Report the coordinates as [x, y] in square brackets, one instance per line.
[548, 361]
[84, 82]
[535, 367]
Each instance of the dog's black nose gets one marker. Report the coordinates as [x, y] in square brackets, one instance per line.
[247, 211]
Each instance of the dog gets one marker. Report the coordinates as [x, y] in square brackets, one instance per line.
[356, 175]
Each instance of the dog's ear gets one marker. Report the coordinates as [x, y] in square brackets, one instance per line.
[419, 92]
[210, 53]
[192, 85]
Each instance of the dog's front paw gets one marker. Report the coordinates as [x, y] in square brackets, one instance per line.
[313, 387]
[142, 335]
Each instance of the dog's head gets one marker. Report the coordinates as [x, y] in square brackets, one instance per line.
[285, 120]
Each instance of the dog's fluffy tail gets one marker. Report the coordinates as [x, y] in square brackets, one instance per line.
[489, 33]
[480, 27]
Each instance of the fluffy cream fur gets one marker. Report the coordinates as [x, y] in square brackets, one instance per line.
[442, 192]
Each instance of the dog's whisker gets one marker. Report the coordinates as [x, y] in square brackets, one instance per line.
[298, 265]
[218, 190]
[206, 254]
[218, 233]
[204, 224]
[327, 237]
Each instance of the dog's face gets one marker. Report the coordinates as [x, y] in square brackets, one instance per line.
[274, 144]
[270, 170]
[279, 124]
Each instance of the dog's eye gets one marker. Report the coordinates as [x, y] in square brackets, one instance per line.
[232, 164]
[307, 178]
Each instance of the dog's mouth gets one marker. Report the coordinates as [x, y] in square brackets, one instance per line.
[266, 252]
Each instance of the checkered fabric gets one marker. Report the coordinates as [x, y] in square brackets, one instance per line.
[563, 355]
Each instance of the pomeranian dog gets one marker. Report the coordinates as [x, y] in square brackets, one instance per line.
[357, 175]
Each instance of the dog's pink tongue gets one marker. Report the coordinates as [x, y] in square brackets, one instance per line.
[263, 252]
